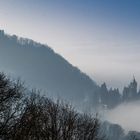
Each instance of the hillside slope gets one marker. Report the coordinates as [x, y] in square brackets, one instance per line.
[41, 67]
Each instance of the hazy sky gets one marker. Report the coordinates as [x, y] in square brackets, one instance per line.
[101, 37]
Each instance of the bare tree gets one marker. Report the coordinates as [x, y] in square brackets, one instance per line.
[10, 100]
[35, 117]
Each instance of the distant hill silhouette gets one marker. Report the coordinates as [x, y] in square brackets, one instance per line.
[41, 67]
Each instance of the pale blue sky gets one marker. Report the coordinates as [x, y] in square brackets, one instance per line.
[101, 37]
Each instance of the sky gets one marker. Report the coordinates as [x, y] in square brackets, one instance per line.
[101, 37]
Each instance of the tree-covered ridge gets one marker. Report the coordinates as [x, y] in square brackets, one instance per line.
[42, 68]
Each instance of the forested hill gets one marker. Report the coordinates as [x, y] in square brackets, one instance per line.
[42, 68]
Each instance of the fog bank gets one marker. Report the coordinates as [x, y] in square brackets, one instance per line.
[127, 115]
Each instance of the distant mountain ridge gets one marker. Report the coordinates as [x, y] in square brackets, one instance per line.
[41, 67]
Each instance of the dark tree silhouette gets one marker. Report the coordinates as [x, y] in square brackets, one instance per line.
[26, 115]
